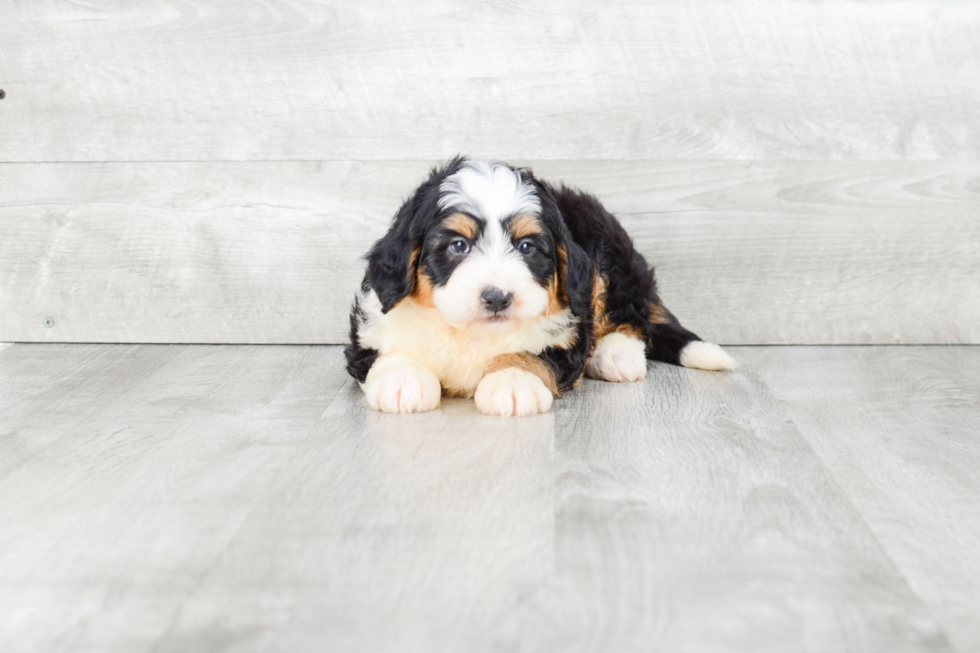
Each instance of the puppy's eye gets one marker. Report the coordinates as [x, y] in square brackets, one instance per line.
[459, 246]
[525, 247]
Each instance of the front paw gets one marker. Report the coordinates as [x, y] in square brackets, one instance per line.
[512, 391]
[403, 389]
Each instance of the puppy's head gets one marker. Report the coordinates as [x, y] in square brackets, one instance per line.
[485, 245]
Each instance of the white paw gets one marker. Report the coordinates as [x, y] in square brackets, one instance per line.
[512, 391]
[618, 357]
[402, 389]
[706, 356]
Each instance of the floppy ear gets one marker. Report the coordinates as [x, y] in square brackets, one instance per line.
[393, 260]
[575, 270]
[576, 276]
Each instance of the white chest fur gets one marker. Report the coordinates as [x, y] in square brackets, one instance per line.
[458, 357]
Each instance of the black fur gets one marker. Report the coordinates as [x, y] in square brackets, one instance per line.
[631, 293]
[577, 274]
[391, 269]
[437, 259]
[592, 240]
[359, 359]
[390, 265]
[541, 261]
[569, 364]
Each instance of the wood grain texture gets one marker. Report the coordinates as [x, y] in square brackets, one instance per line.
[105, 529]
[746, 253]
[393, 534]
[691, 516]
[897, 428]
[51, 392]
[589, 79]
[234, 500]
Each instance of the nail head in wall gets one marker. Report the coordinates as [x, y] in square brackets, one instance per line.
[3, 94]
[48, 323]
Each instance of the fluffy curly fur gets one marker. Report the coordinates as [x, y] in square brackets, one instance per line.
[493, 284]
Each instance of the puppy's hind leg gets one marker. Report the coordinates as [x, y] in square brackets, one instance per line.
[618, 357]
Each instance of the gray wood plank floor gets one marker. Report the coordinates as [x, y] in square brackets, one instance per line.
[899, 430]
[242, 498]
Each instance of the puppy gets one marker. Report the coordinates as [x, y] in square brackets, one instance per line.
[493, 284]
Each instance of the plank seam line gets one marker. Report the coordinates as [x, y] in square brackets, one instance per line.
[943, 631]
[525, 159]
[164, 343]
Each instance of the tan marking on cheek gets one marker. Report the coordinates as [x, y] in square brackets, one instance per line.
[528, 363]
[560, 293]
[554, 297]
[522, 226]
[422, 288]
[423, 291]
[462, 224]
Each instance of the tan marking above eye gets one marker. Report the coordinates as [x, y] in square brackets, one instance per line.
[462, 224]
[522, 226]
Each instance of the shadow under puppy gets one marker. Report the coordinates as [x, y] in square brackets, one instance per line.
[495, 285]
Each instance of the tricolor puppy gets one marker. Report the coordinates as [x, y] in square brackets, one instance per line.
[495, 285]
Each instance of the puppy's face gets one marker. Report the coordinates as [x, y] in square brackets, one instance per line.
[489, 262]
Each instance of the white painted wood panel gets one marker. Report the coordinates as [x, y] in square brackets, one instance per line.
[777, 252]
[897, 428]
[588, 79]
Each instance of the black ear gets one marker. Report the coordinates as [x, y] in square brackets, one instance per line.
[393, 260]
[391, 264]
[577, 277]
[575, 270]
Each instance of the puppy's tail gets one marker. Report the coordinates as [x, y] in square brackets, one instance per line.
[669, 342]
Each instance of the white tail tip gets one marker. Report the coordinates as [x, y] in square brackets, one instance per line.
[706, 356]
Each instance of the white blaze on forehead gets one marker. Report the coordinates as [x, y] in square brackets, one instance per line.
[491, 191]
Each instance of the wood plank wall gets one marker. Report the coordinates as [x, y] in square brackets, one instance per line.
[800, 172]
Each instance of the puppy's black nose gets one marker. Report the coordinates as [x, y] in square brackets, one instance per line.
[495, 299]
